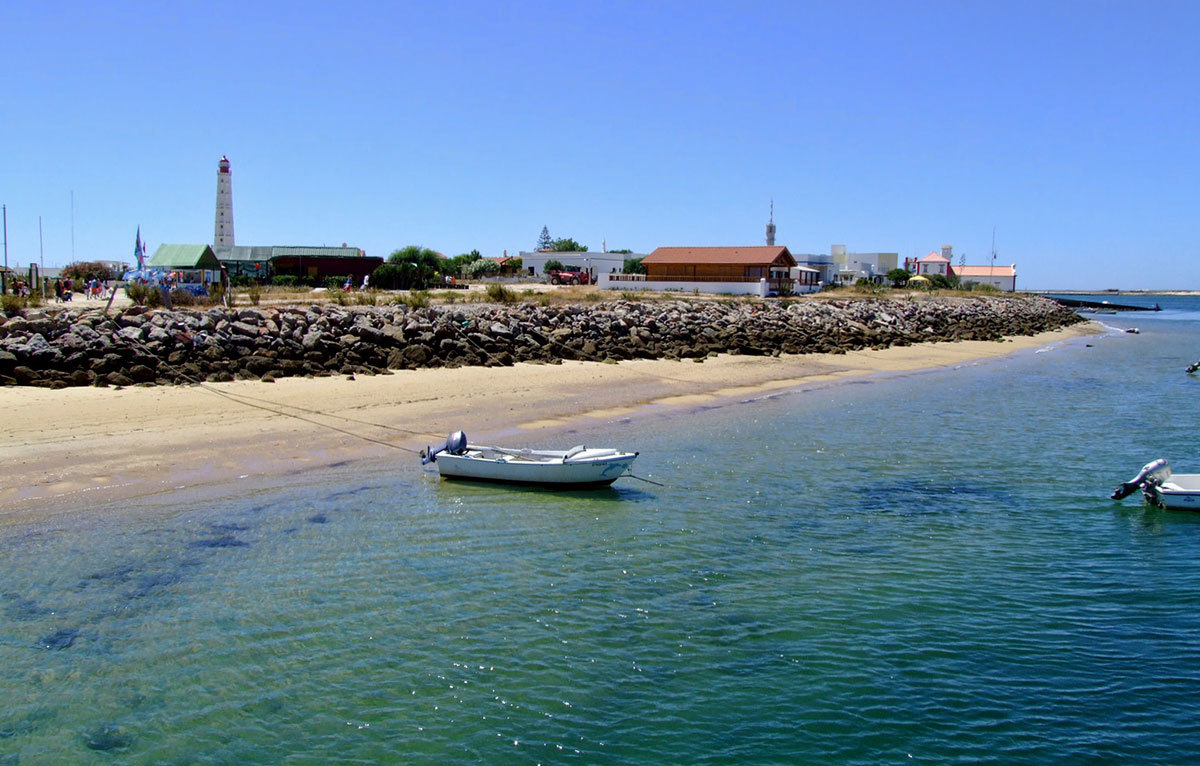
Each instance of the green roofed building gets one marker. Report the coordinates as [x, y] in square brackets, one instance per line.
[242, 261]
[185, 257]
[193, 264]
[309, 262]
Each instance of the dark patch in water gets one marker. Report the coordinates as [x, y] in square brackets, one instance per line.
[227, 527]
[60, 639]
[347, 492]
[290, 531]
[320, 518]
[148, 583]
[222, 541]
[17, 607]
[116, 575]
[107, 738]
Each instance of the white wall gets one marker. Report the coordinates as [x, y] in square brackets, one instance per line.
[629, 282]
[596, 263]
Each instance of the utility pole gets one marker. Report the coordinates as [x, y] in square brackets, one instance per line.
[4, 276]
[41, 259]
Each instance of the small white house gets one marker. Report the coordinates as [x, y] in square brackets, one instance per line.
[534, 264]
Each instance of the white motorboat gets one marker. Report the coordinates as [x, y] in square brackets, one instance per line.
[578, 467]
[1163, 487]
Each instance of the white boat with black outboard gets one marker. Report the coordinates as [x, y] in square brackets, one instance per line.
[578, 467]
[1163, 487]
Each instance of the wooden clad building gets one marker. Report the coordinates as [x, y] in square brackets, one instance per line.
[718, 264]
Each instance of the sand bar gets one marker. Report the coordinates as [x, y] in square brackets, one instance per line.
[77, 448]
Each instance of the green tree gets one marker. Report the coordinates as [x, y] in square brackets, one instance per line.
[626, 251]
[552, 265]
[545, 241]
[482, 268]
[458, 264]
[88, 270]
[416, 268]
[568, 245]
[633, 266]
[898, 277]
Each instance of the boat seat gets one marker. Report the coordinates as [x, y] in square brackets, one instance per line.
[574, 451]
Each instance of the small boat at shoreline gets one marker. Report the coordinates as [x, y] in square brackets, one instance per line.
[1163, 487]
[577, 468]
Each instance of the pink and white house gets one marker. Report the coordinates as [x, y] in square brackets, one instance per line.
[1002, 277]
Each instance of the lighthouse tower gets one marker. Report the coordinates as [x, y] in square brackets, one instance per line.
[223, 229]
[770, 227]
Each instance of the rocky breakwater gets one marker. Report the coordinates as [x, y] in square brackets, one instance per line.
[59, 348]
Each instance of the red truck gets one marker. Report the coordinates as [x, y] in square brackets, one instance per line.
[569, 276]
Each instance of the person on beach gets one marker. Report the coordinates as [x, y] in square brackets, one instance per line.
[58, 291]
[366, 281]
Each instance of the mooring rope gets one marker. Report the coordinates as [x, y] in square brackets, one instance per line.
[250, 401]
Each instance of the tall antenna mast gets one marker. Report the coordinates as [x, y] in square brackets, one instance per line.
[992, 270]
[72, 226]
[771, 226]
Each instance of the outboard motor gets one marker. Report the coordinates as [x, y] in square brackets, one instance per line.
[1193, 367]
[1155, 472]
[456, 444]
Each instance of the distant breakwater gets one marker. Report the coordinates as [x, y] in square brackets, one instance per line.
[60, 348]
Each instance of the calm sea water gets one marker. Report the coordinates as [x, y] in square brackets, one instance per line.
[915, 568]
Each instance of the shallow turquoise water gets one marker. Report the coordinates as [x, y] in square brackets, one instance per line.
[921, 567]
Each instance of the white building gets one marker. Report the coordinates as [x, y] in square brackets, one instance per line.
[534, 264]
[852, 267]
[1003, 278]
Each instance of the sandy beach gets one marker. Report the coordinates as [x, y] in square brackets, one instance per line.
[77, 448]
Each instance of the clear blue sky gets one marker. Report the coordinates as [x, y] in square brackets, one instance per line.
[1070, 127]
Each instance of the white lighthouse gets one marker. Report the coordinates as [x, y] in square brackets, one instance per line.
[223, 229]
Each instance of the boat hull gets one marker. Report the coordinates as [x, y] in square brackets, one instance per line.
[559, 474]
[1178, 492]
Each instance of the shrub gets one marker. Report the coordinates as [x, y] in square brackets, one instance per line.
[254, 294]
[216, 294]
[340, 298]
[12, 304]
[552, 265]
[137, 293]
[241, 280]
[180, 297]
[285, 280]
[980, 287]
[333, 283]
[501, 294]
[364, 299]
[417, 299]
